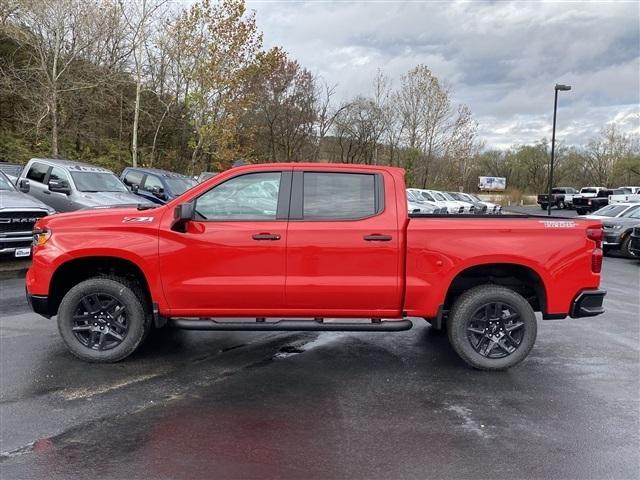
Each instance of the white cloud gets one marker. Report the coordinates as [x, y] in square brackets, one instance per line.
[502, 59]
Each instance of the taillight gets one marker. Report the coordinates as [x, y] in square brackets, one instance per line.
[596, 260]
[596, 235]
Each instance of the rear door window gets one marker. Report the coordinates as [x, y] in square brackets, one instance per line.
[338, 196]
[37, 172]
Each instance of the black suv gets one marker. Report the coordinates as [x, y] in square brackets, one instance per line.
[156, 185]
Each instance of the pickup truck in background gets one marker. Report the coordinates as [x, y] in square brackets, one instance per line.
[18, 214]
[67, 185]
[558, 197]
[313, 247]
[625, 195]
[585, 204]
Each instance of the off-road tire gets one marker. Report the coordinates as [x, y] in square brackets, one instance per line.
[468, 303]
[138, 318]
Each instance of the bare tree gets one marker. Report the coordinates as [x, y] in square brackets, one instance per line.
[53, 35]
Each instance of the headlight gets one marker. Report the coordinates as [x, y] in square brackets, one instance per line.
[617, 227]
[41, 236]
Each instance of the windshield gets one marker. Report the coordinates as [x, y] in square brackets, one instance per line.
[97, 182]
[459, 196]
[610, 211]
[633, 212]
[427, 196]
[448, 196]
[179, 185]
[5, 184]
[439, 196]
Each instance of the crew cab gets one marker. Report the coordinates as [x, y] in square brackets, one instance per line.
[625, 194]
[584, 204]
[18, 214]
[67, 185]
[558, 195]
[155, 185]
[310, 247]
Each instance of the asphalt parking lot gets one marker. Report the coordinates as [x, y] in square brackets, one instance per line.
[328, 405]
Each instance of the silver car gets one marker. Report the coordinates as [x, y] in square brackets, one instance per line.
[68, 185]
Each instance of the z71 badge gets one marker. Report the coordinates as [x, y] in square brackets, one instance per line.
[137, 219]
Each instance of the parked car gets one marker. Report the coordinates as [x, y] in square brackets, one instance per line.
[158, 186]
[479, 208]
[492, 208]
[67, 185]
[584, 204]
[18, 214]
[634, 243]
[419, 205]
[334, 241]
[614, 211]
[617, 231]
[558, 195]
[469, 207]
[625, 194]
[430, 196]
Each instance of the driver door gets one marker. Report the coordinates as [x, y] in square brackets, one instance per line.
[230, 260]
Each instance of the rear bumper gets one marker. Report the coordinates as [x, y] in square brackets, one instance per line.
[39, 304]
[588, 303]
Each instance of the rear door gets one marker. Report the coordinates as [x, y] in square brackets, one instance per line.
[343, 244]
[37, 174]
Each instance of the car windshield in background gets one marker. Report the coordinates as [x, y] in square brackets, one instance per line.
[610, 211]
[97, 182]
[448, 196]
[5, 184]
[439, 196]
[179, 185]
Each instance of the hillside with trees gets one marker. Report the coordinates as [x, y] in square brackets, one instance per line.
[119, 83]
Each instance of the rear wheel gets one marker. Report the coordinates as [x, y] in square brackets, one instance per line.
[543, 206]
[103, 320]
[492, 327]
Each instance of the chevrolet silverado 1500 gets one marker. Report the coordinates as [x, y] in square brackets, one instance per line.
[293, 245]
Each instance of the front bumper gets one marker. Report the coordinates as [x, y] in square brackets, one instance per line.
[611, 239]
[588, 303]
[39, 304]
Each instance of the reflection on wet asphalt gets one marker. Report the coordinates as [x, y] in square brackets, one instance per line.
[328, 405]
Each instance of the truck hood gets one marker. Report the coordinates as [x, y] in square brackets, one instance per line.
[105, 199]
[91, 218]
[14, 200]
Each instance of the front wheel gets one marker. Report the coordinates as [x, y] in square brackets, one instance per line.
[492, 327]
[543, 206]
[581, 211]
[561, 205]
[102, 320]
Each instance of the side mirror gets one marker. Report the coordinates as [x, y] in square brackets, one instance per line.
[59, 186]
[181, 215]
[135, 187]
[158, 192]
[184, 212]
[23, 185]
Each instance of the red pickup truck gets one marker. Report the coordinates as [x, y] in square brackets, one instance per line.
[310, 247]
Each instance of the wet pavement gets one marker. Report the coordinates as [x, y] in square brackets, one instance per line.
[329, 405]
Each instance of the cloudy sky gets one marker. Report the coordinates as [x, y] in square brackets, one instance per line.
[502, 59]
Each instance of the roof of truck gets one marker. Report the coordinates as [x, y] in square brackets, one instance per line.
[73, 165]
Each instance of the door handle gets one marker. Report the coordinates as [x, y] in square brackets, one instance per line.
[377, 237]
[265, 236]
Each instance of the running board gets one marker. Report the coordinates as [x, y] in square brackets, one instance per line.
[376, 325]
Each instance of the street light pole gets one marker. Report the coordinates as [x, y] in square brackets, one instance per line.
[553, 141]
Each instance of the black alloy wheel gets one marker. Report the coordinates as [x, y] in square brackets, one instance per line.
[495, 330]
[100, 321]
